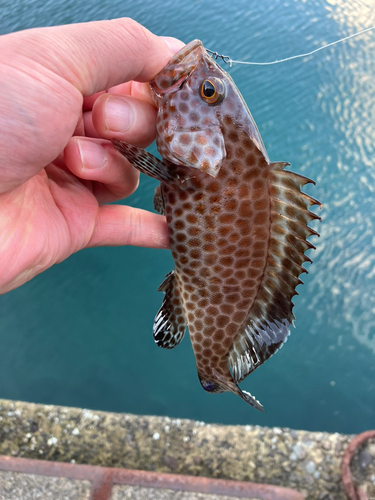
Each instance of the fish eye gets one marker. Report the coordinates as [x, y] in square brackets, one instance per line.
[208, 89]
[212, 91]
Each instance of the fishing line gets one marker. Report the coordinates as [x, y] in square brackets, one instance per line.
[230, 61]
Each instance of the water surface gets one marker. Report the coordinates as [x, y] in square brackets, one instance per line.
[80, 333]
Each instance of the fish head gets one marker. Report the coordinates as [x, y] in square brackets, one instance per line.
[209, 385]
[196, 99]
[214, 382]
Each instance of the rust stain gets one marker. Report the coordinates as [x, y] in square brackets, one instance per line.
[103, 478]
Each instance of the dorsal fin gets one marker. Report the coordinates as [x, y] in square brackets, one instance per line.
[170, 323]
[267, 326]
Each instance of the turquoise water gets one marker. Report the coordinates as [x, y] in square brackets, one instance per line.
[80, 333]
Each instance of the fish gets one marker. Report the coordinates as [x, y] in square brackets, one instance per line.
[237, 224]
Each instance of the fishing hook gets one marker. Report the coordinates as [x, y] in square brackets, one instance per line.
[216, 56]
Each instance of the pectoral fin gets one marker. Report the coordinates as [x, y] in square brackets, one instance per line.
[144, 161]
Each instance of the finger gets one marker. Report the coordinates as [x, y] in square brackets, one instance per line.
[80, 127]
[88, 101]
[46, 73]
[135, 89]
[89, 129]
[98, 55]
[125, 118]
[96, 160]
[122, 225]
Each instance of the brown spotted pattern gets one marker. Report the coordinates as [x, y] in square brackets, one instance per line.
[237, 225]
[219, 231]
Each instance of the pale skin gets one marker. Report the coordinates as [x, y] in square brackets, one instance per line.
[62, 98]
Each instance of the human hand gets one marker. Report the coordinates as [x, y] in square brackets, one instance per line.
[57, 166]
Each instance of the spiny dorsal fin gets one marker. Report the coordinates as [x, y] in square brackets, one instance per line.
[169, 324]
[267, 326]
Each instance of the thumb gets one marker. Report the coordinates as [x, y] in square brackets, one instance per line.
[47, 71]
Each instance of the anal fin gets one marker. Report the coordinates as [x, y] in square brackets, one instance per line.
[170, 323]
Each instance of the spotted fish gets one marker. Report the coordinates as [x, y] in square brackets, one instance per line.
[238, 224]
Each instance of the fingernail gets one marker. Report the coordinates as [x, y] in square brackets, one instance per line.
[93, 156]
[173, 43]
[119, 114]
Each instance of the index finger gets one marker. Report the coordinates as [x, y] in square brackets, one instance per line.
[133, 88]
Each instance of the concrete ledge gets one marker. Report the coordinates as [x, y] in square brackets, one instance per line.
[306, 461]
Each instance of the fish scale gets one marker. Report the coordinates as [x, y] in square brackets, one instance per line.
[214, 256]
[237, 224]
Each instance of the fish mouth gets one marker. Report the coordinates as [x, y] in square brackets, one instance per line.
[178, 68]
[223, 384]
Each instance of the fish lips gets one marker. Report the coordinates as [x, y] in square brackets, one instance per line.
[177, 70]
[202, 149]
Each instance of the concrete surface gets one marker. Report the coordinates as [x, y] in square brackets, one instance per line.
[125, 492]
[306, 461]
[19, 486]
